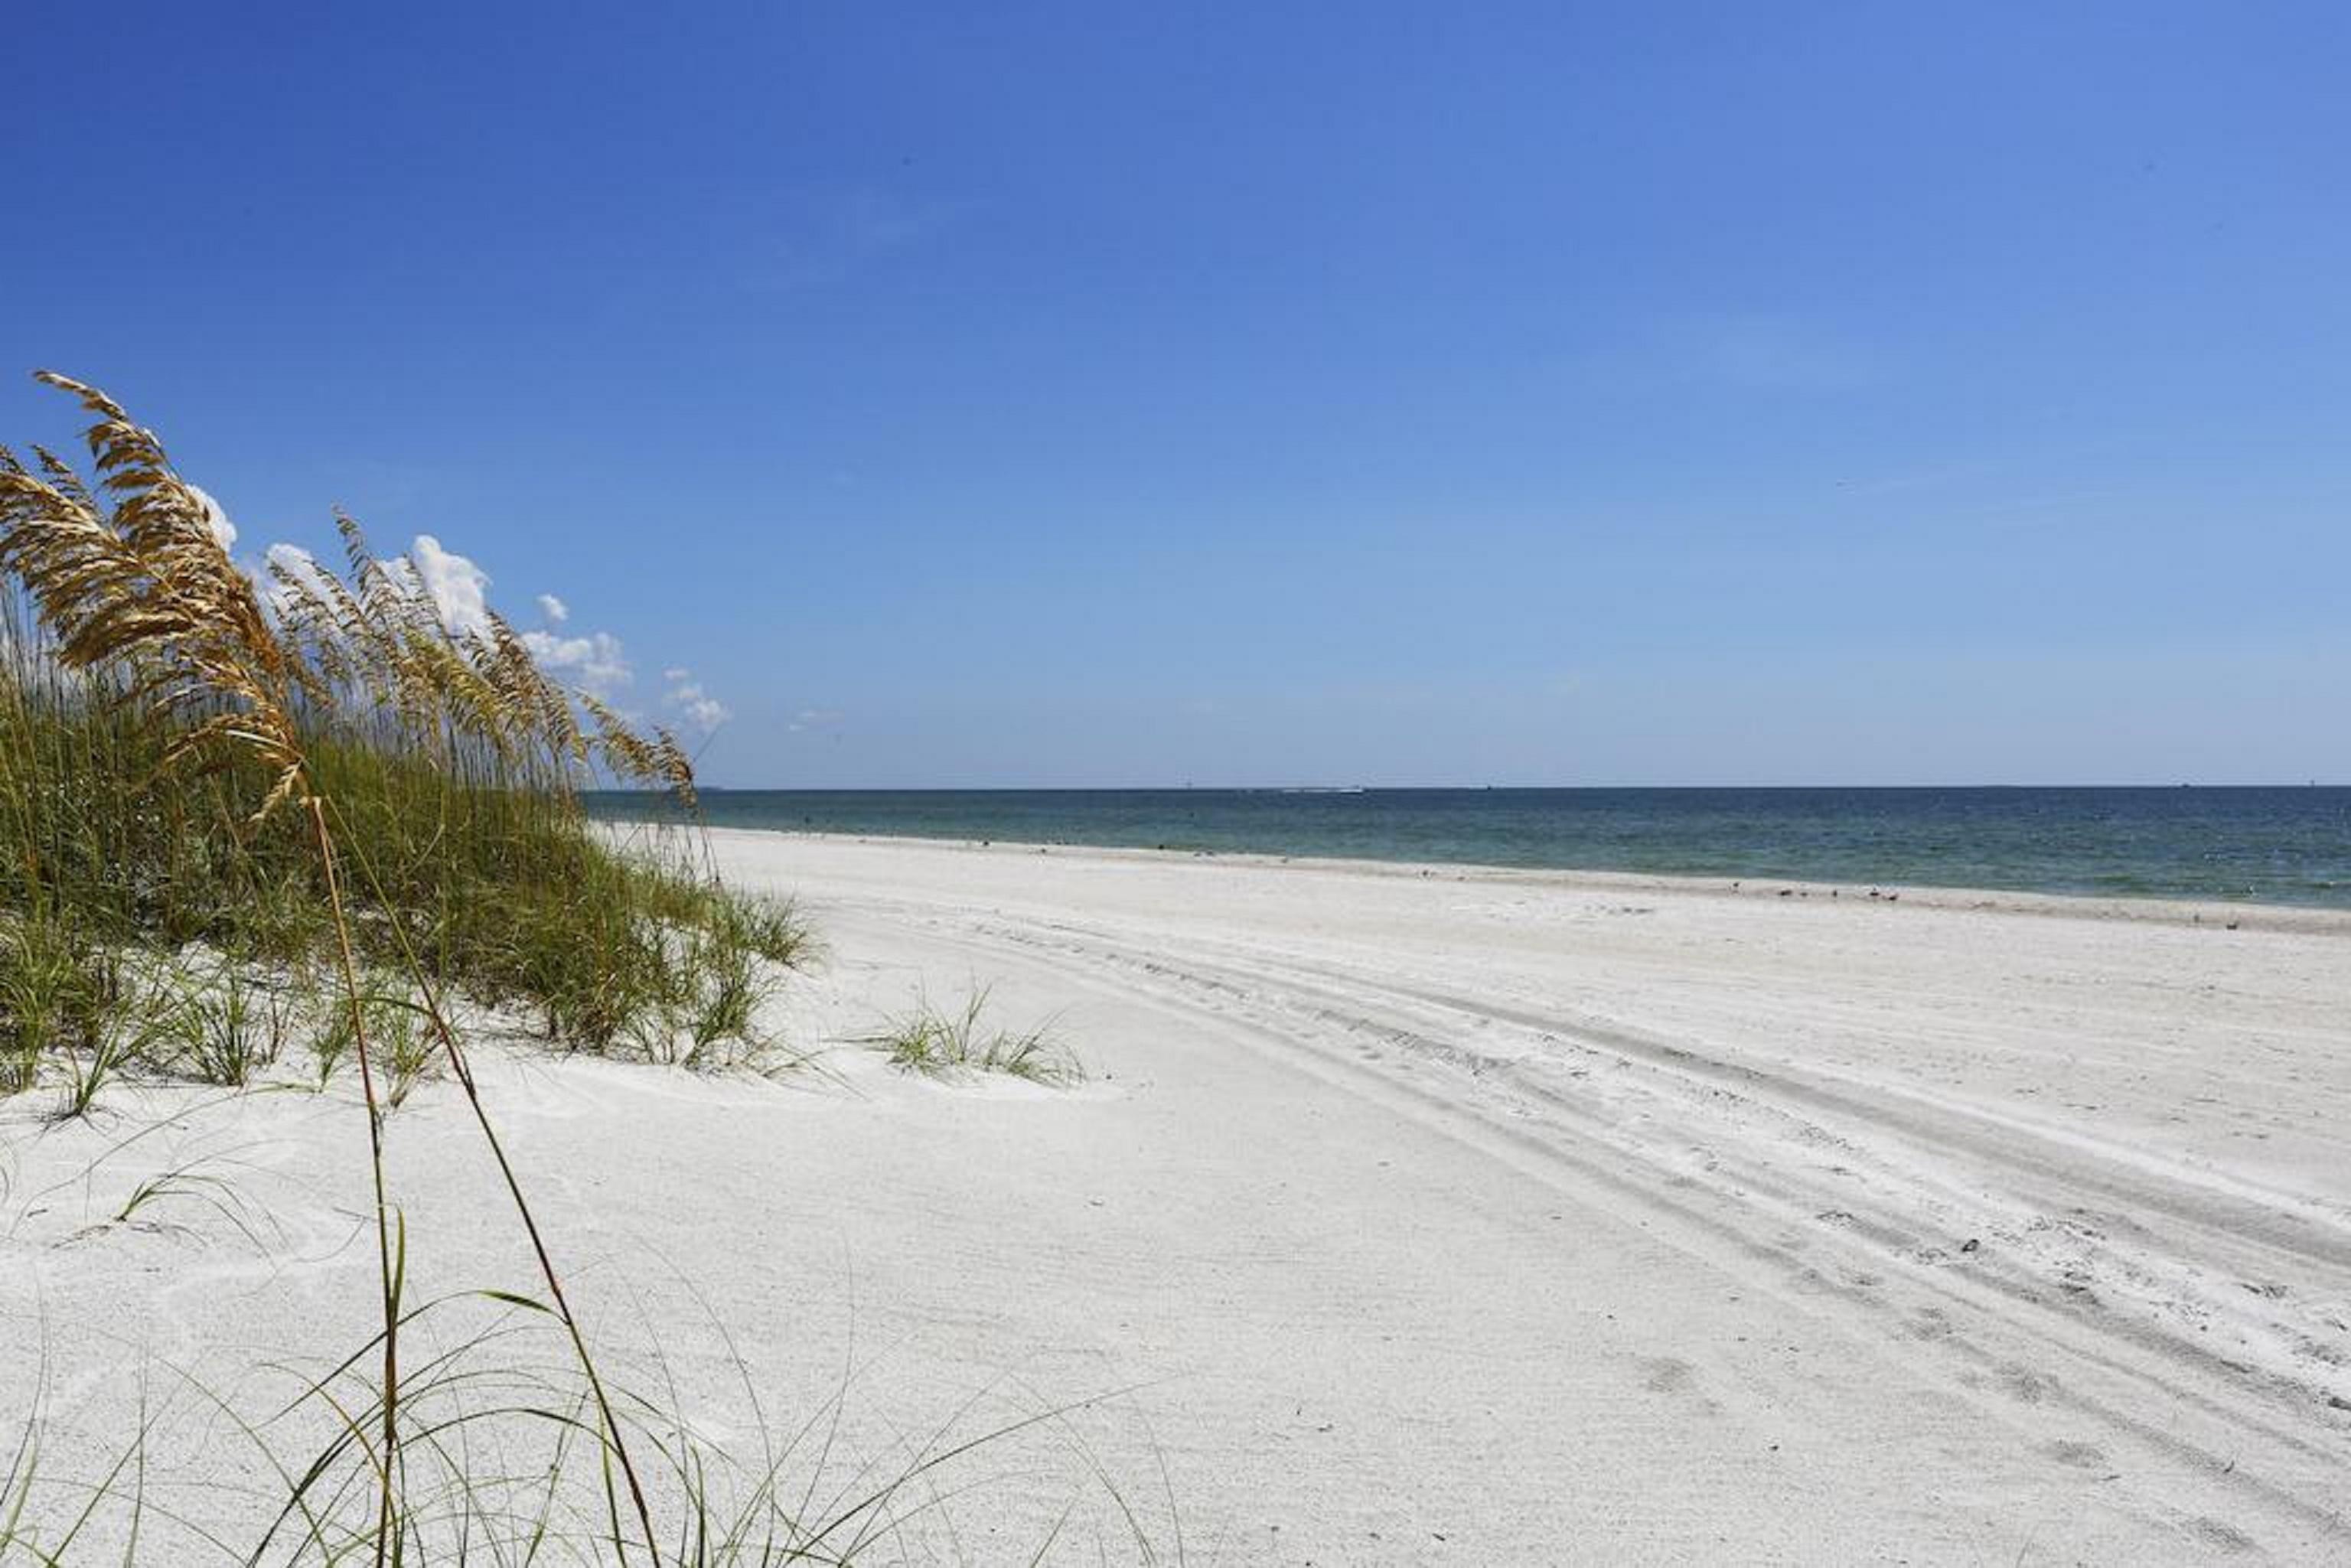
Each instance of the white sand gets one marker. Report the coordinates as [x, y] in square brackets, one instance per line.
[1409, 1217]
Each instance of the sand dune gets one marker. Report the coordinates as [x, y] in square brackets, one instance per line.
[1407, 1218]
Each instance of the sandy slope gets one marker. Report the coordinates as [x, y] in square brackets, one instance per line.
[1445, 1216]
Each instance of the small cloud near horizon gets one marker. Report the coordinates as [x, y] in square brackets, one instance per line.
[696, 708]
[596, 663]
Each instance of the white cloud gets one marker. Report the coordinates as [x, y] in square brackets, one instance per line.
[294, 563]
[696, 706]
[705, 713]
[596, 663]
[459, 588]
[809, 718]
[215, 517]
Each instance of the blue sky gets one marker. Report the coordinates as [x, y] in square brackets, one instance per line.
[1092, 395]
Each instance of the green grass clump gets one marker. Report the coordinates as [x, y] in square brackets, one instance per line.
[221, 1026]
[938, 1044]
[490, 879]
[53, 996]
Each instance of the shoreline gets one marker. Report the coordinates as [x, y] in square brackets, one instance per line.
[2194, 913]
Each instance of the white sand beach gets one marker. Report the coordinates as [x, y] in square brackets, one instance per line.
[1406, 1216]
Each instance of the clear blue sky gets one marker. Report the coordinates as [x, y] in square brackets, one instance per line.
[1630, 393]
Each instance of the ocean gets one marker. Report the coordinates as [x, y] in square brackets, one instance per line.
[2273, 845]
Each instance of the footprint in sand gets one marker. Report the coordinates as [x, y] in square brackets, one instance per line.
[2021, 1383]
[1928, 1322]
[1667, 1374]
[2224, 1537]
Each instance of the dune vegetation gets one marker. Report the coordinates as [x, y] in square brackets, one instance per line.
[196, 762]
[932, 1041]
[289, 825]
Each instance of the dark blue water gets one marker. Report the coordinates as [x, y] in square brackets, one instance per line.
[2286, 845]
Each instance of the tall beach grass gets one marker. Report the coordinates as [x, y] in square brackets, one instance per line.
[240, 810]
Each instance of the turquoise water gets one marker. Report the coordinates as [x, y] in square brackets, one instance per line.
[2285, 845]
